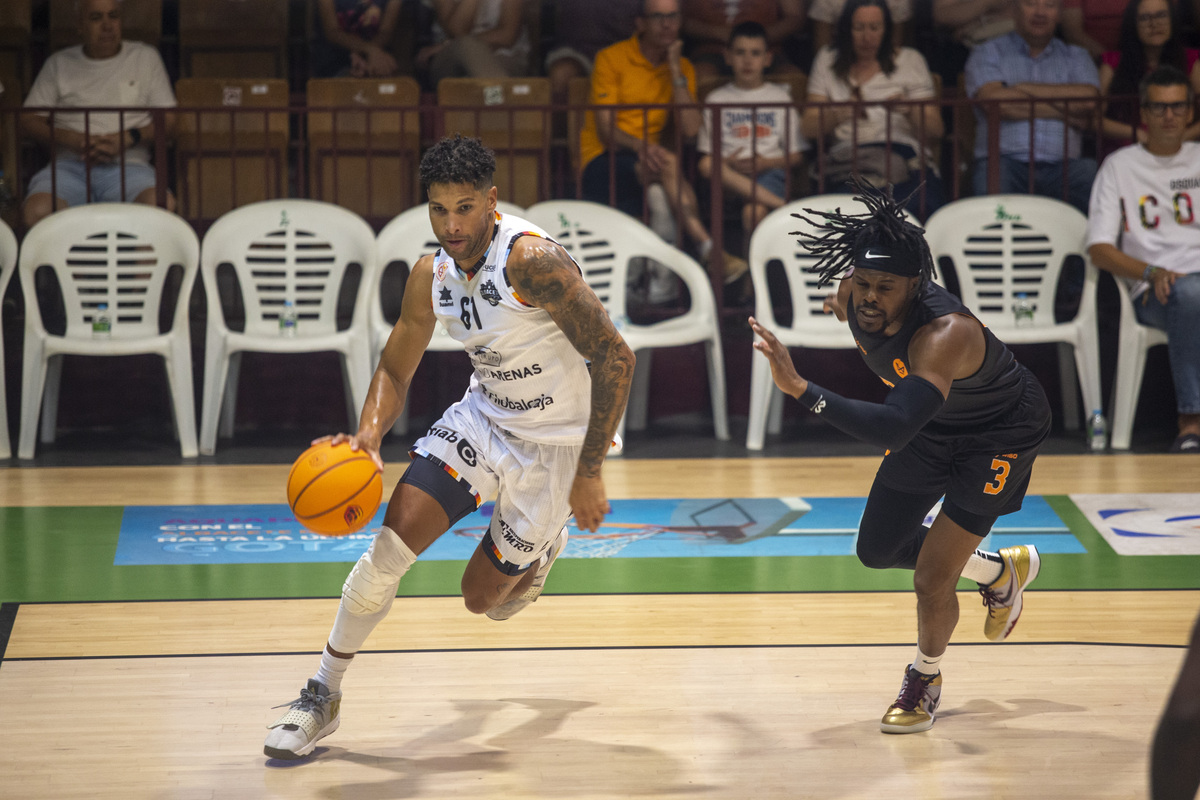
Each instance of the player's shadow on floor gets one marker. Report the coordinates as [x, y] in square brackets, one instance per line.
[534, 760]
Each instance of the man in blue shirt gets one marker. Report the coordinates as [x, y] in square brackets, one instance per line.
[1057, 85]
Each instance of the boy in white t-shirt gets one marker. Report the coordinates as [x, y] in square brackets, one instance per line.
[760, 128]
[1144, 228]
[103, 156]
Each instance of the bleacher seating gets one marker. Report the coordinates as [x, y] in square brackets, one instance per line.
[364, 143]
[15, 34]
[233, 38]
[226, 156]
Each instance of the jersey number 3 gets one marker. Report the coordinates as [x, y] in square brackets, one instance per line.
[997, 486]
[469, 312]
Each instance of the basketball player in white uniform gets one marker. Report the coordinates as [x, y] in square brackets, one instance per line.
[550, 384]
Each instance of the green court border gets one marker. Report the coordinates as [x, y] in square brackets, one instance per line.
[65, 554]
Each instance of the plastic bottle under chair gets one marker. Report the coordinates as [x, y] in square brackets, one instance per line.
[1022, 311]
[287, 319]
[101, 323]
[1097, 431]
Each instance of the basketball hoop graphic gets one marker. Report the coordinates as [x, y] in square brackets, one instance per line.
[725, 521]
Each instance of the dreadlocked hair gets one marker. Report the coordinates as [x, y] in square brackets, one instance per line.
[840, 236]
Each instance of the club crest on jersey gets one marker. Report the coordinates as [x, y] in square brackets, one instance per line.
[445, 298]
[441, 270]
[486, 356]
[901, 370]
[489, 292]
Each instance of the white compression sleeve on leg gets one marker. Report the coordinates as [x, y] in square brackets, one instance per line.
[369, 591]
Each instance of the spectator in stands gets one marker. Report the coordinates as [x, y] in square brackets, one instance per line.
[1150, 37]
[863, 64]
[109, 152]
[1142, 229]
[1032, 64]
[476, 39]
[824, 14]
[708, 24]
[355, 39]
[759, 142]
[583, 28]
[645, 70]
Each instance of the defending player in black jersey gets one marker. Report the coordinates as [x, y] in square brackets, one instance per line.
[963, 419]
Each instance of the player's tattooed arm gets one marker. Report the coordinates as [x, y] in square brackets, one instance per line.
[547, 277]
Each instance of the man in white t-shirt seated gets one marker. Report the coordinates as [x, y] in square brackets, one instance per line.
[759, 142]
[1144, 228]
[103, 156]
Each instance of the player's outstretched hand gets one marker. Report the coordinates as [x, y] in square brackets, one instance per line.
[356, 443]
[782, 368]
[589, 503]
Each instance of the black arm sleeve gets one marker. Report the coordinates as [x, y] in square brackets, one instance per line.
[891, 424]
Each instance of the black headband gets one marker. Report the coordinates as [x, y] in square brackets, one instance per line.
[888, 258]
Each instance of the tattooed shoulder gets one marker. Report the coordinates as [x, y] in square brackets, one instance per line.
[541, 270]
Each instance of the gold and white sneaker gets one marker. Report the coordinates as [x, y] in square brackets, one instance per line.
[516, 605]
[917, 704]
[1003, 596]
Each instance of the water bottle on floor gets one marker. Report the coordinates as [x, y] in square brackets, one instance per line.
[1097, 432]
[101, 323]
[1022, 311]
[287, 320]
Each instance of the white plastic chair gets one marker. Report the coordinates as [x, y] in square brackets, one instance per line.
[774, 240]
[1010, 244]
[119, 254]
[285, 250]
[405, 239]
[1136, 340]
[8, 265]
[603, 241]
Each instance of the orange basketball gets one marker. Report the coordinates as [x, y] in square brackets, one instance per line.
[333, 490]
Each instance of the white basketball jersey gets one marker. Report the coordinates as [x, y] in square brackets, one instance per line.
[533, 382]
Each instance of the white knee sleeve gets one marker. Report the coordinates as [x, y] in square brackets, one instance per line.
[368, 593]
[371, 586]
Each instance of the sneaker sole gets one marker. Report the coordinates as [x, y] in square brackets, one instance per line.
[1035, 566]
[917, 728]
[301, 752]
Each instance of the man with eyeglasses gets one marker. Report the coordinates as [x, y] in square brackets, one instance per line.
[648, 75]
[1144, 228]
[1031, 64]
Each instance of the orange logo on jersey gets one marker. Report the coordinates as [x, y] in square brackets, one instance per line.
[901, 370]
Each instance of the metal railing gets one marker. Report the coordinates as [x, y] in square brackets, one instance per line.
[366, 157]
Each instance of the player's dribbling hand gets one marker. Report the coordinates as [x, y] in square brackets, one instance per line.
[782, 368]
[832, 305]
[589, 503]
[356, 443]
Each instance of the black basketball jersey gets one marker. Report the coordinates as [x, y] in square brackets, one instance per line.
[995, 388]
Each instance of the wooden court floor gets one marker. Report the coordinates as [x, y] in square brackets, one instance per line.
[116, 687]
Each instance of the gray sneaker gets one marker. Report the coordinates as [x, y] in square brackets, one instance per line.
[514, 606]
[311, 717]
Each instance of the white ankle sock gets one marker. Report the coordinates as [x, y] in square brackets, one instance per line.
[331, 670]
[983, 567]
[927, 665]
